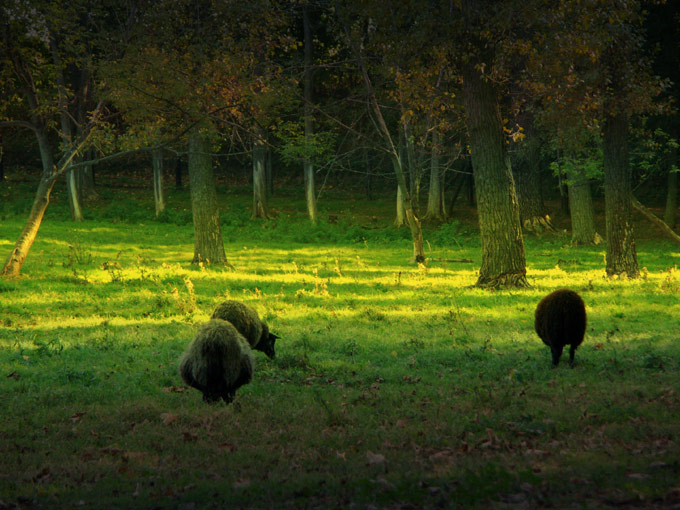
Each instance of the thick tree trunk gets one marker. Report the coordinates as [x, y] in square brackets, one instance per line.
[582, 212]
[23, 245]
[503, 258]
[526, 172]
[435, 204]
[260, 207]
[158, 189]
[308, 167]
[208, 244]
[670, 215]
[621, 253]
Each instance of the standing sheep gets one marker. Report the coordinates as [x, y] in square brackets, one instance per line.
[248, 323]
[217, 362]
[560, 320]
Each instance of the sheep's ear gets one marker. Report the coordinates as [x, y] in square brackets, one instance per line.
[272, 336]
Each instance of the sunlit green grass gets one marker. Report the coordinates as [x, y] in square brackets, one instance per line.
[394, 384]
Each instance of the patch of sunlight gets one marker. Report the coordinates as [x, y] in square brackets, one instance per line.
[100, 321]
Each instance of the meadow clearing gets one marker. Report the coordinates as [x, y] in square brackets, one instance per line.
[394, 385]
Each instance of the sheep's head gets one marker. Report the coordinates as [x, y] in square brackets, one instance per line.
[266, 343]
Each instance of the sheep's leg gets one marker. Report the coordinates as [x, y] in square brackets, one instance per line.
[556, 353]
[572, 351]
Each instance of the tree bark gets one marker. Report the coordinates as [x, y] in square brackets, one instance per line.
[435, 204]
[74, 196]
[208, 244]
[621, 253]
[582, 212]
[503, 258]
[308, 167]
[260, 207]
[158, 188]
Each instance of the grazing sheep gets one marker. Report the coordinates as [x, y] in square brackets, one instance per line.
[248, 323]
[560, 320]
[217, 362]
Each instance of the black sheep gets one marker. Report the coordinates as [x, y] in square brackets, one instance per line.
[246, 320]
[560, 320]
[217, 362]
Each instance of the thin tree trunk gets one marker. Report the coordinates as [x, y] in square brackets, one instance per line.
[400, 218]
[260, 207]
[503, 258]
[158, 189]
[582, 212]
[308, 167]
[670, 214]
[74, 198]
[208, 244]
[621, 253]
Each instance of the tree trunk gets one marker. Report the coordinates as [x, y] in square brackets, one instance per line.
[178, 173]
[308, 167]
[526, 172]
[74, 197]
[670, 215]
[87, 181]
[208, 244]
[582, 213]
[621, 253]
[158, 189]
[23, 245]
[435, 204]
[260, 207]
[503, 258]
[400, 218]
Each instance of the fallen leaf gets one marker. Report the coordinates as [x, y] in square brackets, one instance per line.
[638, 476]
[242, 483]
[77, 417]
[168, 418]
[375, 458]
[226, 446]
[189, 437]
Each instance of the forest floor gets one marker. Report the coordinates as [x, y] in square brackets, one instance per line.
[394, 385]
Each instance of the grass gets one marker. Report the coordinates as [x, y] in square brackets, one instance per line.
[394, 386]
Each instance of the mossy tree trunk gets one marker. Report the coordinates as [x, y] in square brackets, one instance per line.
[208, 244]
[621, 253]
[582, 212]
[158, 188]
[503, 258]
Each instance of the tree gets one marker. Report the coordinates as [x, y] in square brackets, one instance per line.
[503, 259]
[308, 167]
[208, 244]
